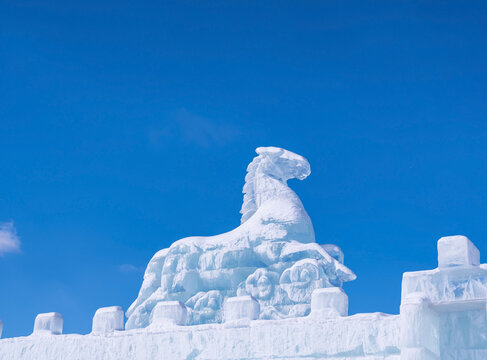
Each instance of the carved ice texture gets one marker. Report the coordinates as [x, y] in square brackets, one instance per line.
[272, 255]
[107, 320]
[48, 324]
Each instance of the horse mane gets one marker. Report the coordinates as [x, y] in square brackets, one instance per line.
[249, 206]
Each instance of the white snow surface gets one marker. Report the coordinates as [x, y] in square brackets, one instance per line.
[272, 255]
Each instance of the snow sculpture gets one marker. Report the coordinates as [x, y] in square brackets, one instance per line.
[48, 324]
[107, 320]
[1, 328]
[271, 256]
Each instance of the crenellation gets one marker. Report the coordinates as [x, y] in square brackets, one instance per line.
[48, 324]
[330, 301]
[169, 313]
[108, 320]
[457, 251]
[241, 309]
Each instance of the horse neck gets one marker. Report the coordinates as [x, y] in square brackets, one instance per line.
[260, 187]
[267, 188]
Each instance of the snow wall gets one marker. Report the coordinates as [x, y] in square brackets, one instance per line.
[442, 316]
[268, 290]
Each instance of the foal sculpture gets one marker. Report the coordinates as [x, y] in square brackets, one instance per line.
[272, 255]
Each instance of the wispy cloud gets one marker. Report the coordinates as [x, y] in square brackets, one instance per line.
[128, 268]
[194, 129]
[9, 241]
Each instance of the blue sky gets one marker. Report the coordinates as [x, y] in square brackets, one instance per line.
[125, 126]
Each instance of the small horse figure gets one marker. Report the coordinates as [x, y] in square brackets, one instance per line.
[272, 255]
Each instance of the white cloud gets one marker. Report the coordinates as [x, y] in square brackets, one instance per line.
[130, 268]
[195, 129]
[9, 241]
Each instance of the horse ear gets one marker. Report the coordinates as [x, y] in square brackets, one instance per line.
[269, 151]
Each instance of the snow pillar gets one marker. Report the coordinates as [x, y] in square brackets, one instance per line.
[1, 328]
[457, 251]
[168, 313]
[107, 320]
[419, 329]
[329, 302]
[48, 324]
[240, 308]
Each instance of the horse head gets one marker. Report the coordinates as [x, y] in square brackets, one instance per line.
[269, 172]
[282, 164]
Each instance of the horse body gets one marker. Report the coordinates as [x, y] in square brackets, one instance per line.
[275, 234]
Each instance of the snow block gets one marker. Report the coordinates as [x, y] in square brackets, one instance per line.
[48, 324]
[1, 328]
[241, 307]
[107, 320]
[169, 313]
[329, 301]
[457, 251]
[419, 328]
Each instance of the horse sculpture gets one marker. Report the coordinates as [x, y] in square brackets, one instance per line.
[272, 255]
